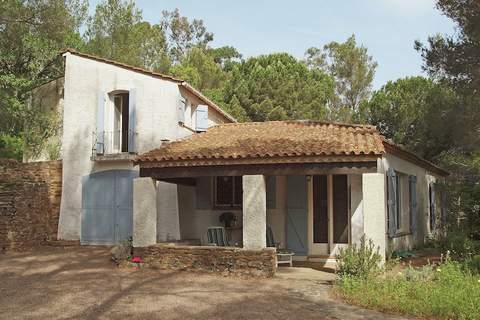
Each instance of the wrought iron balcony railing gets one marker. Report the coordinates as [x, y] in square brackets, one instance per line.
[114, 142]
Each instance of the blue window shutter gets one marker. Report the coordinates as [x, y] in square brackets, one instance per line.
[132, 113]
[443, 208]
[432, 206]
[413, 203]
[203, 193]
[100, 147]
[271, 192]
[201, 118]
[181, 109]
[392, 202]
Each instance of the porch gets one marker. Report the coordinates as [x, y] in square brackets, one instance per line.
[313, 204]
[310, 215]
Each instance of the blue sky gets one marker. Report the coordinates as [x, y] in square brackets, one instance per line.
[388, 28]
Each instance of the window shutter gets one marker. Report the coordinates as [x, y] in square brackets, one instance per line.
[181, 110]
[100, 146]
[432, 207]
[203, 193]
[271, 190]
[413, 203]
[132, 112]
[443, 208]
[392, 202]
[201, 118]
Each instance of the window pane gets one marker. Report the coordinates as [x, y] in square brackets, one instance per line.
[224, 191]
[238, 196]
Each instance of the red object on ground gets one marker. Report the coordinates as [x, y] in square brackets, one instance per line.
[136, 259]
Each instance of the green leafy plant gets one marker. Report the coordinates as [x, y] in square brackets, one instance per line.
[447, 291]
[361, 260]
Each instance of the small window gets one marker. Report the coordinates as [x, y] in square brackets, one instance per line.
[228, 192]
[120, 132]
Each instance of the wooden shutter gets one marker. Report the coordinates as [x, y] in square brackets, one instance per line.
[203, 193]
[297, 208]
[181, 110]
[432, 207]
[132, 112]
[413, 203]
[201, 118]
[271, 190]
[392, 202]
[100, 145]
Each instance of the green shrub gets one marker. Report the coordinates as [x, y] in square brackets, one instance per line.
[447, 292]
[458, 245]
[359, 261]
[425, 273]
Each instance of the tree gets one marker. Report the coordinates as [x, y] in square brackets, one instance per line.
[455, 61]
[455, 58]
[117, 31]
[199, 68]
[30, 41]
[277, 86]
[414, 112]
[353, 70]
[183, 35]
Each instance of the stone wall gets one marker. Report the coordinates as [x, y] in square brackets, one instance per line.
[224, 260]
[29, 203]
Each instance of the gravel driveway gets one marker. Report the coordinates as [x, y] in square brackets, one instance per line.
[81, 283]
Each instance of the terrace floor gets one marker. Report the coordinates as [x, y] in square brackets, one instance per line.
[82, 283]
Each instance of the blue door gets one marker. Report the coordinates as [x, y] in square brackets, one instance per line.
[297, 214]
[107, 206]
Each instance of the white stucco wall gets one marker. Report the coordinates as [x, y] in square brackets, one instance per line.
[254, 211]
[156, 119]
[424, 177]
[356, 208]
[168, 223]
[374, 214]
[144, 212]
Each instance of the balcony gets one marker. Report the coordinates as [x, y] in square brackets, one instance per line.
[116, 145]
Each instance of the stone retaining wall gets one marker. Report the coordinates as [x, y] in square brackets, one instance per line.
[30, 196]
[224, 260]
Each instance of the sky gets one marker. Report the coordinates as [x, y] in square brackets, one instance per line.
[388, 28]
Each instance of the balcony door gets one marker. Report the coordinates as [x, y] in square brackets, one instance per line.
[329, 222]
[119, 136]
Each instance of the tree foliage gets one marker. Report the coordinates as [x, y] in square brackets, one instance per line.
[278, 86]
[30, 41]
[117, 31]
[455, 61]
[455, 58]
[352, 69]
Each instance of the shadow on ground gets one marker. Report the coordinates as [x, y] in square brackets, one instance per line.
[82, 283]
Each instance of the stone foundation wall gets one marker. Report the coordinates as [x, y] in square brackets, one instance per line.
[224, 260]
[30, 196]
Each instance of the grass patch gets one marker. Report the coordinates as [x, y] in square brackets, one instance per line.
[449, 292]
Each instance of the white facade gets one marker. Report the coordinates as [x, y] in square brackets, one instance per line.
[156, 120]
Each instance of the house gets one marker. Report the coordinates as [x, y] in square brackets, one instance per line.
[146, 155]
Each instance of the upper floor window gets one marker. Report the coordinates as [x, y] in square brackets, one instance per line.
[120, 122]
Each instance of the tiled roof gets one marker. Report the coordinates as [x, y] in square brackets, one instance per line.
[264, 142]
[182, 83]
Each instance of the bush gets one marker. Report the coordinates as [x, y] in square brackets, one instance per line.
[448, 292]
[458, 245]
[359, 261]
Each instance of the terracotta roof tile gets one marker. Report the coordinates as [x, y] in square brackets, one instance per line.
[251, 142]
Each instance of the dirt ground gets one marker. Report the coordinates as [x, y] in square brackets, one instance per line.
[82, 283]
